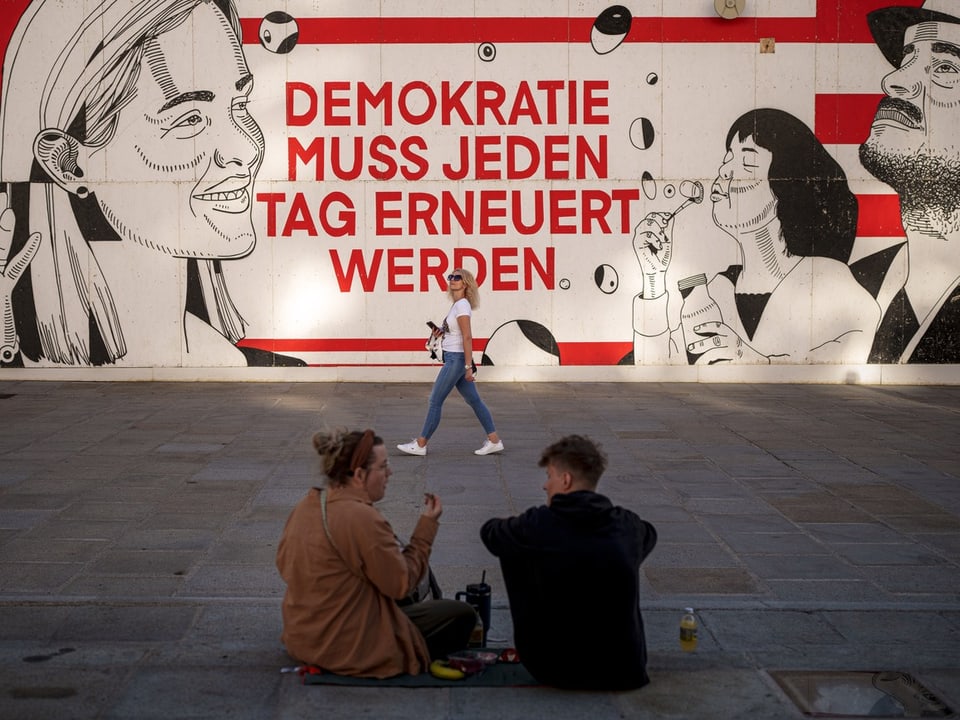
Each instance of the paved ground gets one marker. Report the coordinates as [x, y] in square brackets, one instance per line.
[812, 527]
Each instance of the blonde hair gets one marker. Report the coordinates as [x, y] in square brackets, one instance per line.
[471, 290]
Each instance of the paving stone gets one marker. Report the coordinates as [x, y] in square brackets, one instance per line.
[912, 554]
[799, 567]
[698, 581]
[119, 623]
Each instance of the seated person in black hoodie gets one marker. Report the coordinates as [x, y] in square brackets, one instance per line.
[572, 573]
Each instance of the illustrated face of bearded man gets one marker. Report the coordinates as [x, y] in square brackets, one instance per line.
[914, 142]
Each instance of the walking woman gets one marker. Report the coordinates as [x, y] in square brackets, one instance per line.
[459, 370]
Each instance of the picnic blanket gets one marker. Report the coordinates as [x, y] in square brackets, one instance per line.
[501, 674]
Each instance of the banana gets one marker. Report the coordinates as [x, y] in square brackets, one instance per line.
[441, 669]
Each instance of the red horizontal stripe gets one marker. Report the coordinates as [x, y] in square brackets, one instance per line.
[743, 30]
[484, 29]
[879, 216]
[449, 30]
[372, 365]
[313, 345]
[845, 21]
[571, 353]
[593, 353]
[844, 118]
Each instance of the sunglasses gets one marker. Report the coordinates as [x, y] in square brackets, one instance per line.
[454, 276]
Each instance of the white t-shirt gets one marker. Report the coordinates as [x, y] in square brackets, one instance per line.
[452, 337]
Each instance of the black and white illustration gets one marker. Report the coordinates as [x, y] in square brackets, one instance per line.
[232, 183]
[914, 146]
[787, 204]
[130, 154]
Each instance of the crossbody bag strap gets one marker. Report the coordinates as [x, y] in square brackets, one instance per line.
[326, 524]
[326, 529]
[434, 586]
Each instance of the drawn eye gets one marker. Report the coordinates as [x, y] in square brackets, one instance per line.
[191, 120]
[187, 126]
[946, 73]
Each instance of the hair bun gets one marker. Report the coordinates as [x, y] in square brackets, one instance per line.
[329, 442]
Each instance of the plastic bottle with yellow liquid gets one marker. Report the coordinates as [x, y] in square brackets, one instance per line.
[476, 637]
[688, 631]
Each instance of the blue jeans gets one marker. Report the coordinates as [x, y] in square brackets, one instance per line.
[452, 375]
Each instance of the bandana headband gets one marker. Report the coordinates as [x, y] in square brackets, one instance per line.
[362, 452]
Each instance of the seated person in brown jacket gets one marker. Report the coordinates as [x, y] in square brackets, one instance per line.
[345, 571]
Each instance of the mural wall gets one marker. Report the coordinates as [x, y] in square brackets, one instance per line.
[203, 183]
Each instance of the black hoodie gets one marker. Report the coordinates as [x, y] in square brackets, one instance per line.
[572, 575]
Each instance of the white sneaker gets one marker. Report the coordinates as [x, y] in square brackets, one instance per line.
[412, 448]
[489, 448]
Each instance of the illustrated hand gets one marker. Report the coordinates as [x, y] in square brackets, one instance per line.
[722, 344]
[10, 273]
[653, 245]
[432, 508]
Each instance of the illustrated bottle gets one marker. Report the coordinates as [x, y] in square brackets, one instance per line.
[698, 307]
[688, 631]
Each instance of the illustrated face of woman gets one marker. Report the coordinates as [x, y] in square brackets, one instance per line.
[741, 194]
[378, 474]
[178, 175]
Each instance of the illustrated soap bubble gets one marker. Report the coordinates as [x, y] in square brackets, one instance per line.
[610, 28]
[649, 185]
[279, 32]
[606, 278]
[653, 79]
[642, 133]
[564, 283]
[669, 191]
[692, 191]
[521, 342]
[487, 51]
